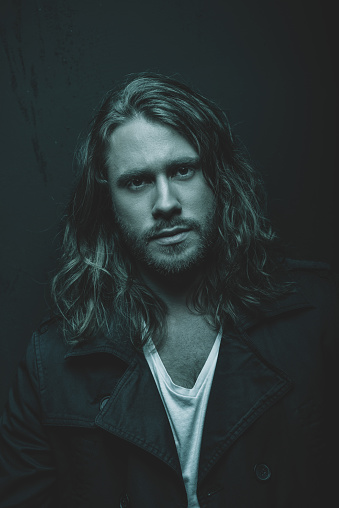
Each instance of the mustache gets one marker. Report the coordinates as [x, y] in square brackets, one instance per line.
[172, 223]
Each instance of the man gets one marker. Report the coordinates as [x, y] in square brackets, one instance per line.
[187, 364]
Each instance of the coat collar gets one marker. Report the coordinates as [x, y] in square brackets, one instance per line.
[295, 300]
[113, 341]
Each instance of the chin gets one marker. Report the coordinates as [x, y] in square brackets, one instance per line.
[176, 263]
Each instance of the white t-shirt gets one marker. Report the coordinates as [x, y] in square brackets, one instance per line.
[185, 408]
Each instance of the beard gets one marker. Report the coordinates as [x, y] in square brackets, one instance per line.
[173, 259]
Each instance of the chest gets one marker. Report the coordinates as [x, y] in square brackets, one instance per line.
[186, 348]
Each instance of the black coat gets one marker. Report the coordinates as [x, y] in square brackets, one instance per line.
[85, 426]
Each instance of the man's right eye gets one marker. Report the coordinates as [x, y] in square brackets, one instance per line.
[136, 183]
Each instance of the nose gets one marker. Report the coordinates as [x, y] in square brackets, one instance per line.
[166, 202]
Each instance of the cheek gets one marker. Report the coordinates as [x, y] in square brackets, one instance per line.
[203, 199]
[130, 213]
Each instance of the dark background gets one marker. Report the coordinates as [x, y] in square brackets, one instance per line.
[272, 65]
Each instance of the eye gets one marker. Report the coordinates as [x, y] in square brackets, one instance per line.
[184, 172]
[136, 183]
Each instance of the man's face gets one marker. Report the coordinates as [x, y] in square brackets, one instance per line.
[162, 202]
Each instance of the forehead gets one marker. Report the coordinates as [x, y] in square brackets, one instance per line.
[142, 144]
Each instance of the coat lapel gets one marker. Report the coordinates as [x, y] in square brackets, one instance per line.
[244, 387]
[134, 410]
[135, 413]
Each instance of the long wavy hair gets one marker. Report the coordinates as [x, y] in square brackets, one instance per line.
[97, 279]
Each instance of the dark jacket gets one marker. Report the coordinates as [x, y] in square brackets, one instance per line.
[85, 426]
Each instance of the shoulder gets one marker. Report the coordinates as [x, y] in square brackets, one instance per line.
[317, 283]
[307, 266]
[48, 339]
[315, 279]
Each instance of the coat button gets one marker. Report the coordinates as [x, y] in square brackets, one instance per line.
[262, 472]
[103, 402]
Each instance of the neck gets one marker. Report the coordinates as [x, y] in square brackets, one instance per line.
[173, 289]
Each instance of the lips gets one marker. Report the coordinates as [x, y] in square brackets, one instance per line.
[165, 233]
[171, 236]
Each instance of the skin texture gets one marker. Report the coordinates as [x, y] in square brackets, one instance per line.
[157, 187]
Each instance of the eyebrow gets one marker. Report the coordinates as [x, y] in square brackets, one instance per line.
[145, 173]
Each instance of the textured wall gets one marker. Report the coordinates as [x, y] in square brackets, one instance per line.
[271, 64]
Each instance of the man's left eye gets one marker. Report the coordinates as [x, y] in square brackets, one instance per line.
[185, 171]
